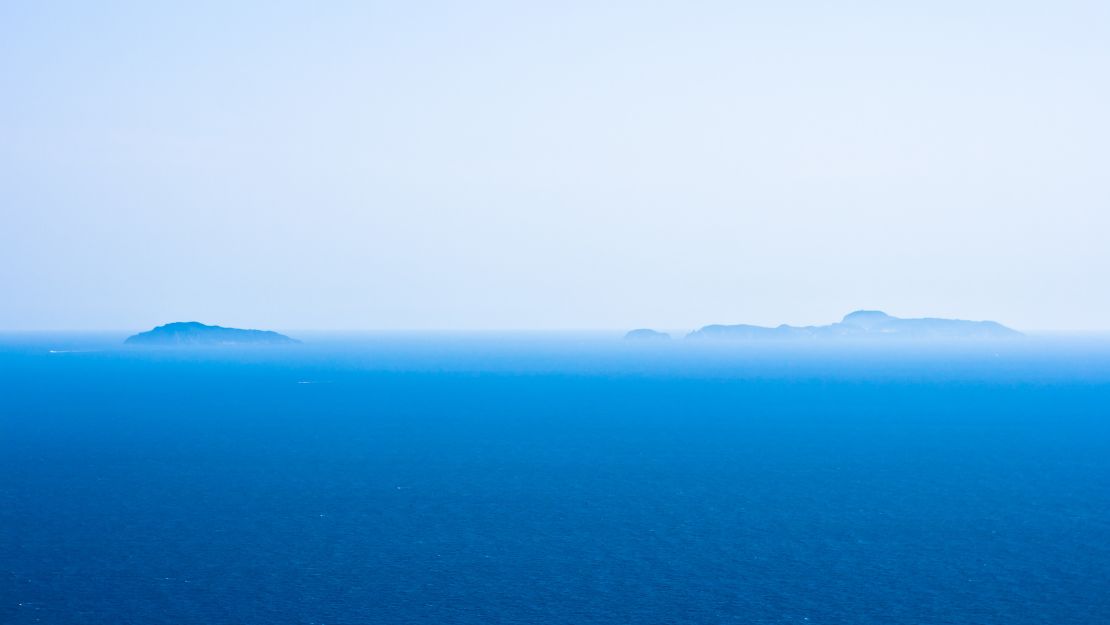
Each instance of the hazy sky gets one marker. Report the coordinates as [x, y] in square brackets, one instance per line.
[478, 165]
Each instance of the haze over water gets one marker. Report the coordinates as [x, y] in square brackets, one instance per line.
[479, 181]
[553, 478]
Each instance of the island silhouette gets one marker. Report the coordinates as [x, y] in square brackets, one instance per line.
[645, 334]
[196, 333]
[863, 324]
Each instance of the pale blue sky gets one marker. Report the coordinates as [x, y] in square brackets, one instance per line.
[480, 165]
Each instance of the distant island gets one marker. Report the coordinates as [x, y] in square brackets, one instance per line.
[195, 333]
[864, 324]
[644, 334]
[859, 324]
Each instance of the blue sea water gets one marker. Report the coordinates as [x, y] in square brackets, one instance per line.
[553, 479]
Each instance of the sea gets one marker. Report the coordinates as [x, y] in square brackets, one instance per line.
[554, 478]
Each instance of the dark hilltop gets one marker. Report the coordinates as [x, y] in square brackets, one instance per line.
[195, 333]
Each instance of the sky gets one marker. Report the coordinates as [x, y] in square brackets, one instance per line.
[567, 165]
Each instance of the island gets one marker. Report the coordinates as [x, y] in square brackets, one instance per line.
[865, 324]
[646, 334]
[194, 333]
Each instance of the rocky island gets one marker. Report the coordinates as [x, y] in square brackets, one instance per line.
[195, 333]
[865, 324]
